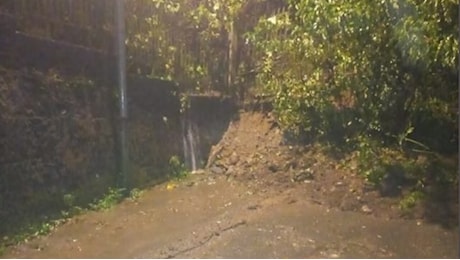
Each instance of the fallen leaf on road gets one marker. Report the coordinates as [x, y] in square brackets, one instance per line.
[170, 186]
[334, 255]
[366, 209]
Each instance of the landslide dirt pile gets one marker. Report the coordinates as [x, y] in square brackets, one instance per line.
[254, 151]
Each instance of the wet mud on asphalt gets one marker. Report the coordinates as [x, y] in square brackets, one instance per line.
[208, 216]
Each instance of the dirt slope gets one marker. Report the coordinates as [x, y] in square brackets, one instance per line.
[253, 151]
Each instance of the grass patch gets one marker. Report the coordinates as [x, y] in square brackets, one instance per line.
[410, 200]
[110, 199]
[38, 226]
[35, 227]
[177, 169]
[32, 229]
[135, 194]
[404, 173]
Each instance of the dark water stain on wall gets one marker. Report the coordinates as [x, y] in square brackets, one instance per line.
[154, 132]
[204, 122]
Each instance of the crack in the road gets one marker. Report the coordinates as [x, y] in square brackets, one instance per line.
[206, 239]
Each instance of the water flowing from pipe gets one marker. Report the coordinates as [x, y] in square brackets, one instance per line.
[190, 143]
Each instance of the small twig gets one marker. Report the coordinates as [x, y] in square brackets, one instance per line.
[240, 223]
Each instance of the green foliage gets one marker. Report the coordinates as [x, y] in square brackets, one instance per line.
[109, 200]
[444, 171]
[70, 203]
[181, 40]
[375, 77]
[35, 228]
[415, 171]
[370, 162]
[177, 169]
[42, 226]
[184, 103]
[69, 200]
[343, 69]
[135, 194]
[410, 200]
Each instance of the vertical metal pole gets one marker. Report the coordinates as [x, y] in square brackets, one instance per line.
[121, 77]
[458, 75]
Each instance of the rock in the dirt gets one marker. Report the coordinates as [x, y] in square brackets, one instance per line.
[304, 175]
[199, 171]
[290, 165]
[213, 155]
[300, 150]
[217, 170]
[233, 159]
[230, 170]
[273, 168]
[366, 209]
[254, 207]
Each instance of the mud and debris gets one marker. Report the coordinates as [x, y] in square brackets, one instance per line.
[258, 198]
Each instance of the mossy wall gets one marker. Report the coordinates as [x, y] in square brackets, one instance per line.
[154, 130]
[56, 137]
[59, 136]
